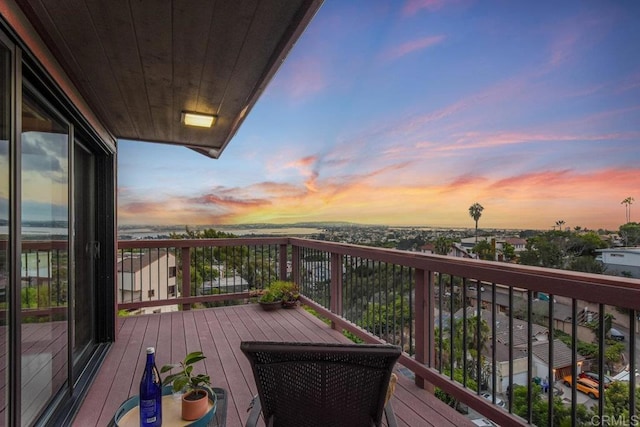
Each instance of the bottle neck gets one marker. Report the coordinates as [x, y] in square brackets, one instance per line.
[151, 359]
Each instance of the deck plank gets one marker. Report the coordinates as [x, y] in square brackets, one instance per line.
[218, 332]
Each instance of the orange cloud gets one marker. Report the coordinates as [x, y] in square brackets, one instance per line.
[303, 162]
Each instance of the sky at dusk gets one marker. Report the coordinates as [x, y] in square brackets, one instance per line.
[406, 113]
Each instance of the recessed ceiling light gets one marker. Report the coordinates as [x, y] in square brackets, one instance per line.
[198, 119]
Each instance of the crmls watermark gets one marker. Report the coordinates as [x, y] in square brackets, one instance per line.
[613, 420]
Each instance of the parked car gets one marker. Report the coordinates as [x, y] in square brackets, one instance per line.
[585, 385]
[483, 422]
[499, 401]
[615, 334]
[596, 378]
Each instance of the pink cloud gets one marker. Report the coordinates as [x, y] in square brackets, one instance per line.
[509, 201]
[228, 202]
[411, 7]
[577, 33]
[471, 140]
[303, 162]
[411, 46]
[563, 47]
[630, 83]
[305, 78]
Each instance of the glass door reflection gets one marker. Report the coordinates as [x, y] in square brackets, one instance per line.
[45, 256]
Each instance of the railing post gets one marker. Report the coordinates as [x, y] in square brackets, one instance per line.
[186, 276]
[282, 259]
[424, 328]
[295, 266]
[335, 302]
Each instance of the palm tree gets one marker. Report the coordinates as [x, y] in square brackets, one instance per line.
[559, 224]
[475, 211]
[442, 245]
[627, 202]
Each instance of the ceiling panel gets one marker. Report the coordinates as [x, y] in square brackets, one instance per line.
[140, 63]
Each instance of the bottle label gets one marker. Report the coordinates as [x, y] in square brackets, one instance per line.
[148, 410]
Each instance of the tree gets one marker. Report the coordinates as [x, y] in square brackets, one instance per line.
[586, 264]
[484, 250]
[545, 250]
[585, 244]
[389, 321]
[565, 249]
[442, 245]
[616, 400]
[539, 406]
[627, 207]
[475, 211]
[508, 251]
[630, 232]
[613, 354]
[559, 224]
[467, 341]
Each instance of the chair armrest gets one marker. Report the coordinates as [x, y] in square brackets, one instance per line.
[255, 408]
[391, 417]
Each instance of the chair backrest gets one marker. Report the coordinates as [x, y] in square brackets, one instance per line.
[302, 384]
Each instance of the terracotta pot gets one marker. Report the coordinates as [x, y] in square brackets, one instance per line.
[194, 404]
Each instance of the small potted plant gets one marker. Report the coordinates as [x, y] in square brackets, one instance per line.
[290, 293]
[270, 299]
[196, 388]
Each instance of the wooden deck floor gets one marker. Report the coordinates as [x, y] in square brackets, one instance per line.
[218, 332]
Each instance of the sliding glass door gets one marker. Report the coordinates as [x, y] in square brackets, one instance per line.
[57, 245]
[45, 260]
[5, 270]
[86, 250]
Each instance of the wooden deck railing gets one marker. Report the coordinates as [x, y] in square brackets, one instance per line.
[466, 326]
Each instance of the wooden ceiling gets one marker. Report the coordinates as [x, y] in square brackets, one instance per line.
[140, 63]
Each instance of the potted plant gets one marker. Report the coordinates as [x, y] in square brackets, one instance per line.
[196, 388]
[270, 299]
[290, 293]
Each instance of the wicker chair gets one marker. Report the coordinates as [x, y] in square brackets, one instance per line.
[302, 384]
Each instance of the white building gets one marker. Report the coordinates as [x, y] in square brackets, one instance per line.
[621, 261]
[147, 276]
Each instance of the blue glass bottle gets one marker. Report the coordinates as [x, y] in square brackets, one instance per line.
[151, 393]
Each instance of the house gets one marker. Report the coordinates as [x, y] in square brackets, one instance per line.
[429, 248]
[497, 242]
[147, 276]
[624, 376]
[562, 360]
[518, 244]
[515, 334]
[456, 250]
[562, 311]
[76, 78]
